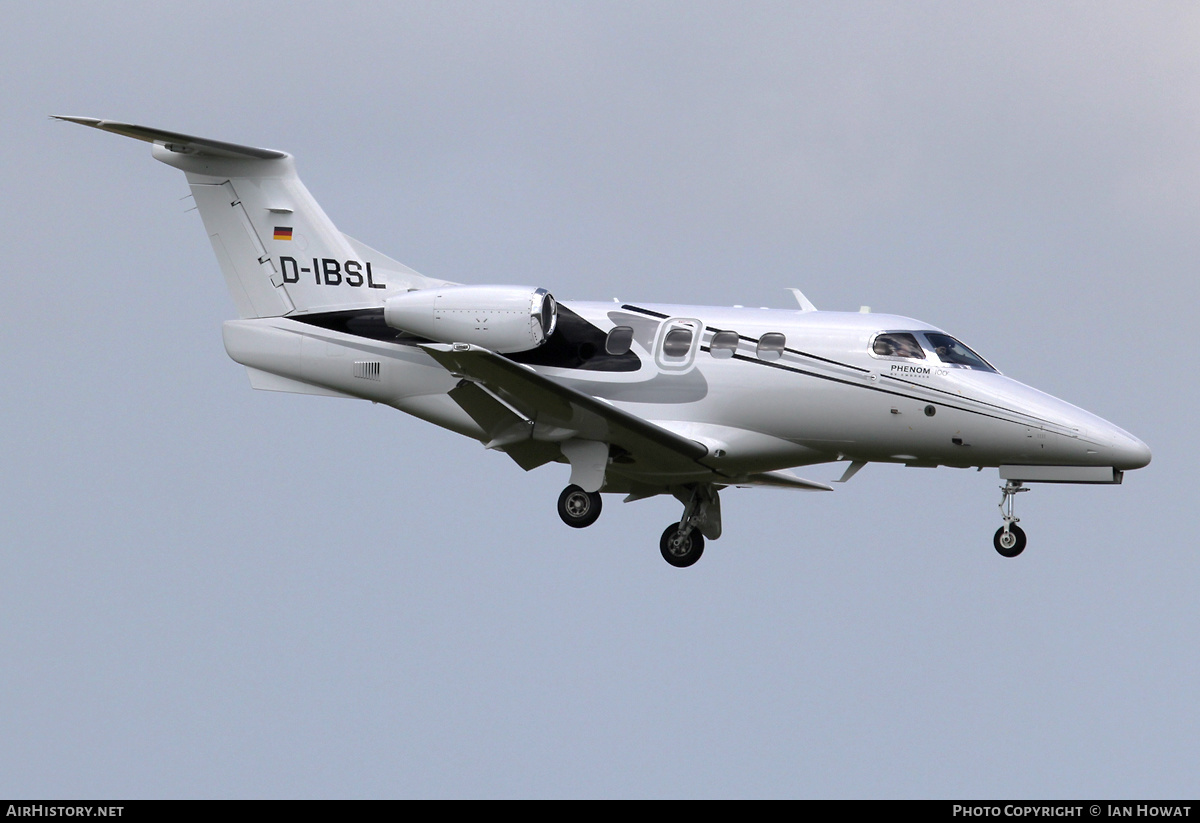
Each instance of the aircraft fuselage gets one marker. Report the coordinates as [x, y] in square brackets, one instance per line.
[823, 396]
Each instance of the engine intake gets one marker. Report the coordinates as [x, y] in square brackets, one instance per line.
[505, 319]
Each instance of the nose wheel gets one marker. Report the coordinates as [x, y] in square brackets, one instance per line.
[1010, 538]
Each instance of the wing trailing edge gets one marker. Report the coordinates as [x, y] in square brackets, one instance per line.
[784, 480]
[565, 412]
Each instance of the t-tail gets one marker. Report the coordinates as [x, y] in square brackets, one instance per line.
[280, 254]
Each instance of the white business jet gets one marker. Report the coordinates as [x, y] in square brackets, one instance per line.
[638, 399]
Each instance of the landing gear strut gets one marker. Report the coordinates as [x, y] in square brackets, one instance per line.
[1010, 538]
[683, 542]
[577, 508]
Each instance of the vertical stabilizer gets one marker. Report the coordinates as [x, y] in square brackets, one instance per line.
[280, 253]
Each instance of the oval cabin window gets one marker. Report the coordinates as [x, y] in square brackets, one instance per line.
[677, 343]
[724, 344]
[771, 345]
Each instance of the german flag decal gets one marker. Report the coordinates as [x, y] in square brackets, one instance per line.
[283, 232]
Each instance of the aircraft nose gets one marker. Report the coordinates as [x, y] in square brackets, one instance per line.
[1129, 452]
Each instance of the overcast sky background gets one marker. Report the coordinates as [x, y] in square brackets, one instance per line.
[208, 591]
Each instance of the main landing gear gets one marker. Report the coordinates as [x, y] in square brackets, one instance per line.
[682, 543]
[1010, 538]
[577, 508]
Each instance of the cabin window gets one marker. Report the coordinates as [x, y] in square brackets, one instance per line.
[619, 340]
[677, 343]
[954, 353]
[770, 346]
[898, 344]
[724, 344]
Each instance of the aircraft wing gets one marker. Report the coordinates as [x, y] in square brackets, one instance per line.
[525, 405]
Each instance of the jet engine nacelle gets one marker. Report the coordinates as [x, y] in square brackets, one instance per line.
[504, 319]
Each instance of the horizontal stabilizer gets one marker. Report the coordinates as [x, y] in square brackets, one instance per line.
[181, 143]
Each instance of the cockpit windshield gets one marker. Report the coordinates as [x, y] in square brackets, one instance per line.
[954, 353]
[927, 345]
[898, 344]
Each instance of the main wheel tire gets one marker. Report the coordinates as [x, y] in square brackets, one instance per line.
[577, 508]
[1010, 544]
[681, 552]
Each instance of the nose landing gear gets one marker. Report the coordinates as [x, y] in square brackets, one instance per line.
[1010, 538]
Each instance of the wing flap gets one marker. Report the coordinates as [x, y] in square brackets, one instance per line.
[560, 412]
[784, 480]
[506, 431]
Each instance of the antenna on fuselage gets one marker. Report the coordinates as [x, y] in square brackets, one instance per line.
[805, 303]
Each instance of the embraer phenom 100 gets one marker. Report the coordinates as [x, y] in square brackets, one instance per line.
[638, 399]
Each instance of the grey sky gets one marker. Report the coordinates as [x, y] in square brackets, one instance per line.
[211, 591]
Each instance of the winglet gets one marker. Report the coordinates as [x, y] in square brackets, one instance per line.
[181, 143]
